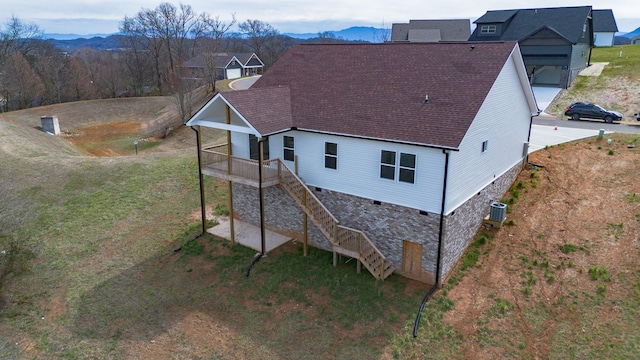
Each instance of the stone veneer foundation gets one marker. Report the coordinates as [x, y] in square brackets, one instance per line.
[386, 225]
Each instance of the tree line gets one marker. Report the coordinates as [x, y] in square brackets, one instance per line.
[154, 44]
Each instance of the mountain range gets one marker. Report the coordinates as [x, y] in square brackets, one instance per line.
[354, 33]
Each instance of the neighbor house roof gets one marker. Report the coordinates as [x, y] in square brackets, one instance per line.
[566, 21]
[376, 91]
[604, 21]
[220, 60]
[432, 30]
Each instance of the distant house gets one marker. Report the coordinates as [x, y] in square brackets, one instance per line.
[431, 30]
[224, 65]
[635, 39]
[555, 42]
[604, 27]
[394, 164]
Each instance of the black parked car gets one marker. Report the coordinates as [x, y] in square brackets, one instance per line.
[579, 110]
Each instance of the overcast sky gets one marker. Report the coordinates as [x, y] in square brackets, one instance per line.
[299, 16]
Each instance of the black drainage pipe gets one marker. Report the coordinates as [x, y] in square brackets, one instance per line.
[255, 260]
[416, 324]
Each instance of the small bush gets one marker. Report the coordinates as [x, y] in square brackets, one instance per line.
[221, 209]
[611, 152]
[501, 307]
[510, 222]
[599, 273]
[515, 193]
[568, 248]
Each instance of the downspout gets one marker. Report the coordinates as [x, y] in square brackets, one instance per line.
[526, 156]
[202, 206]
[416, 325]
[591, 43]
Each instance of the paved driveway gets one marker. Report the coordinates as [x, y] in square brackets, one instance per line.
[243, 83]
[542, 135]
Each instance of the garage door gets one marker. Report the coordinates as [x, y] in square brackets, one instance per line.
[233, 73]
[547, 75]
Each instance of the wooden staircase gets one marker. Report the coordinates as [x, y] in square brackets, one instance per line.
[345, 241]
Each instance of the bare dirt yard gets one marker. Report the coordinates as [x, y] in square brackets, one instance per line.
[564, 270]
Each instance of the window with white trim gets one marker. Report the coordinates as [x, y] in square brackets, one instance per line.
[330, 155]
[405, 170]
[288, 146]
[487, 29]
[388, 165]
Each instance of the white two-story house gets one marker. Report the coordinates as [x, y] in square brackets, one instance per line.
[387, 153]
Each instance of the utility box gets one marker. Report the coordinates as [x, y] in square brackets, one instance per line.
[498, 212]
[50, 124]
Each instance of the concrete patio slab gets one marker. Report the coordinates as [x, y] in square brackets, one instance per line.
[248, 235]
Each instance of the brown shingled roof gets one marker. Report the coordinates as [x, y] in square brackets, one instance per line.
[268, 110]
[377, 90]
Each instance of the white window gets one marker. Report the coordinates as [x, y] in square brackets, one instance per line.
[288, 146]
[405, 171]
[330, 155]
[388, 164]
[487, 29]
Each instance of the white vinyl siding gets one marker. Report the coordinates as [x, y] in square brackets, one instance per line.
[503, 121]
[358, 170]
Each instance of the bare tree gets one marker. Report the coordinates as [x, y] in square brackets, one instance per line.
[274, 48]
[258, 33]
[17, 36]
[383, 34]
[80, 83]
[167, 32]
[212, 32]
[52, 66]
[141, 29]
[22, 86]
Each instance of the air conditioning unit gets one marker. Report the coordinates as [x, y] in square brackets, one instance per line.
[498, 212]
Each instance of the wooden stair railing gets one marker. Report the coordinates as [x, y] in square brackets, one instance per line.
[346, 241]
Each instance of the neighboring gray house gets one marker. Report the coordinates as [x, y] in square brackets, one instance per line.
[224, 65]
[635, 39]
[431, 30]
[555, 42]
[395, 163]
[604, 27]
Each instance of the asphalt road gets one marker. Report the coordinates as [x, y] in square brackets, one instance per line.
[631, 126]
